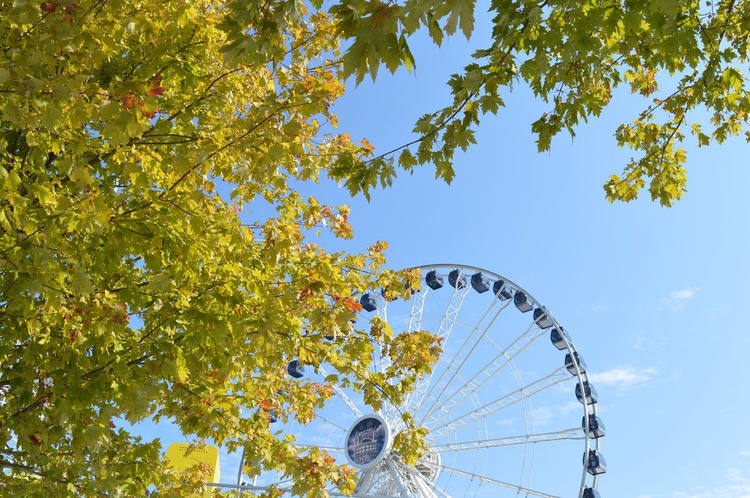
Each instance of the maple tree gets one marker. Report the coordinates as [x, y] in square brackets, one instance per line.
[136, 139]
[688, 59]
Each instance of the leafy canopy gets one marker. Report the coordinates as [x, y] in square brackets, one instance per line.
[138, 138]
[130, 288]
[688, 59]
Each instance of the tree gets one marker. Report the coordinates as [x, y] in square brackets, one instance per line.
[688, 59]
[138, 138]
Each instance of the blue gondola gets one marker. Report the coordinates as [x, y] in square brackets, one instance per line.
[522, 302]
[295, 369]
[591, 395]
[541, 318]
[556, 336]
[480, 283]
[591, 493]
[272, 418]
[368, 302]
[572, 360]
[457, 280]
[326, 337]
[596, 426]
[434, 281]
[501, 291]
[595, 463]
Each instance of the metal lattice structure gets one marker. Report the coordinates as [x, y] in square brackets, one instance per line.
[509, 408]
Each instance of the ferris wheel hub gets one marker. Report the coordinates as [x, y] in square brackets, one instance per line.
[475, 404]
[368, 441]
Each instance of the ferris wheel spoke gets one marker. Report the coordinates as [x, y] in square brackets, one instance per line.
[365, 480]
[426, 487]
[436, 489]
[485, 412]
[465, 352]
[382, 361]
[329, 449]
[441, 427]
[417, 309]
[415, 325]
[429, 400]
[352, 405]
[396, 476]
[497, 482]
[287, 488]
[378, 482]
[416, 400]
[467, 388]
[330, 422]
[362, 495]
[546, 437]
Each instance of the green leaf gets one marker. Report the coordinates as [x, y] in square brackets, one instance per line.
[81, 283]
[461, 15]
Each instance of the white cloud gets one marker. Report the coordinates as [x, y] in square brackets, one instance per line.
[675, 301]
[738, 486]
[735, 475]
[544, 415]
[601, 308]
[623, 377]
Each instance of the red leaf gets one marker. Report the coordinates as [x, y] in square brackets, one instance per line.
[49, 6]
[352, 304]
[128, 101]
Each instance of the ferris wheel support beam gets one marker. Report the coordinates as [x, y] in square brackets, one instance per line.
[403, 490]
[244, 487]
[569, 434]
[435, 490]
[497, 482]
[443, 332]
[484, 402]
[559, 375]
[423, 485]
[467, 343]
[352, 406]
[457, 398]
[365, 480]
[417, 308]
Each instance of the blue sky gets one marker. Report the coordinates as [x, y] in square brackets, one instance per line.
[654, 297]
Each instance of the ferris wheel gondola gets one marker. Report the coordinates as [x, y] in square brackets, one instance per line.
[508, 408]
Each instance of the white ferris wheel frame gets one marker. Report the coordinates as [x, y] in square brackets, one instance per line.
[408, 482]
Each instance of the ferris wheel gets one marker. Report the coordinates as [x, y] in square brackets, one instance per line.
[508, 407]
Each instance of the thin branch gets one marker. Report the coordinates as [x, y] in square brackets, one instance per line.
[33, 406]
[28, 31]
[455, 113]
[31, 470]
[220, 149]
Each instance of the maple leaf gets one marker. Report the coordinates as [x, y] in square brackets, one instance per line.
[352, 304]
